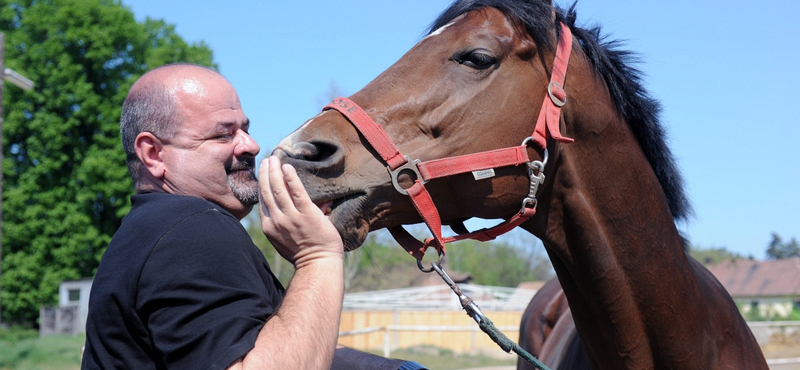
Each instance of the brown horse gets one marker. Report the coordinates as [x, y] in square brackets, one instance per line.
[547, 331]
[605, 210]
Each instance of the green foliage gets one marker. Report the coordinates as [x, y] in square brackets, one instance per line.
[65, 184]
[279, 266]
[15, 334]
[381, 264]
[713, 255]
[500, 264]
[795, 314]
[777, 249]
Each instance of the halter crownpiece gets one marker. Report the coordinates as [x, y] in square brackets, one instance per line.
[547, 123]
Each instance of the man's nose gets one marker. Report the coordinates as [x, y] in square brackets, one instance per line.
[245, 145]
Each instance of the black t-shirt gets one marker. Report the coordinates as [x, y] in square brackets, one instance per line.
[181, 286]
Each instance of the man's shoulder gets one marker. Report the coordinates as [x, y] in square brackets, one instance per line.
[160, 208]
[154, 215]
[181, 203]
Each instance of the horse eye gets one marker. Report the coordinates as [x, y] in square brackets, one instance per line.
[476, 59]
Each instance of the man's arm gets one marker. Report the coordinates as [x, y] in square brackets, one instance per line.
[302, 334]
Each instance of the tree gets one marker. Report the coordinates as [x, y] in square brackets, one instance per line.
[713, 255]
[382, 264]
[66, 186]
[777, 249]
[282, 269]
[500, 264]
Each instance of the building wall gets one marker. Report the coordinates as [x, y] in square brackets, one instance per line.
[74, 294]
[769, 308]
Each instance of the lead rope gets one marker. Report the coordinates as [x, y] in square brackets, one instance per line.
[484, 323]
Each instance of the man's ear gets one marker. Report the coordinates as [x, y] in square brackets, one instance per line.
[149, 150]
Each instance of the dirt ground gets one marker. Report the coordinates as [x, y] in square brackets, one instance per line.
[782, 346]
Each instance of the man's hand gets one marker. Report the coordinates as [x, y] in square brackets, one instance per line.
[297, 229]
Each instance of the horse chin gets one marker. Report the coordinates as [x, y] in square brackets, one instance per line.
[347, 215]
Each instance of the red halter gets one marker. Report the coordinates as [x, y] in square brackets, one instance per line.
[548, 122]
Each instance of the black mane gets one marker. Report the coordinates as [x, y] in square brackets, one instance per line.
[631, 99]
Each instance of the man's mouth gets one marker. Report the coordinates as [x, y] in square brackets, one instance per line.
[243, 165]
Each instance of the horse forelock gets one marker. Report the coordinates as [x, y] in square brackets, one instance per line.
[535, 15]
[614, 65]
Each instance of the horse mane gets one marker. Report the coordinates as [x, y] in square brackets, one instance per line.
[611, 63]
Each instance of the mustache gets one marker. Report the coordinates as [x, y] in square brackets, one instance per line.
[244, 164]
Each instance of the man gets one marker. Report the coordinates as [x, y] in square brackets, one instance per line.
[181, 285]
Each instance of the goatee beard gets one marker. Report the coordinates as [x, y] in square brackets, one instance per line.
[243, 181]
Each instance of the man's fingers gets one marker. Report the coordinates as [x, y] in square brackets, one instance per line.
[277, 186]
[267, 202]
[298, 192]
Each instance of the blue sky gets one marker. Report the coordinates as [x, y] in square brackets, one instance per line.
[726, 75]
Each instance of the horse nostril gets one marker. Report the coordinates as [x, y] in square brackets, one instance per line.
[311, 155]
[301, 150]
[313, 151]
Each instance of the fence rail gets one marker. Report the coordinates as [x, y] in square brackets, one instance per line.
[451, 330]
[764, 330]
[388, 329]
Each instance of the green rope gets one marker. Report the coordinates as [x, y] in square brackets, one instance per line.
[484, 323]
[508, 345]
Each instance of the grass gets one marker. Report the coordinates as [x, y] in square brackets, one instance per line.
[23, 349]
[444, 359]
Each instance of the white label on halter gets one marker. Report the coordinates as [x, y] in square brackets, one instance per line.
[483, 174]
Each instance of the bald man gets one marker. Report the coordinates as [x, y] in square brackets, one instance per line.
[181, 285]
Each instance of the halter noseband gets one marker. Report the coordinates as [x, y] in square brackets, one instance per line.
[548, 122]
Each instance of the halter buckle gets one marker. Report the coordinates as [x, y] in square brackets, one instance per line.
[409, 165]
[557, 93]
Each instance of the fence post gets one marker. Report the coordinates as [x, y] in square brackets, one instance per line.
[387, 344]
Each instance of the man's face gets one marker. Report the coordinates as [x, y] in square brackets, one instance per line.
[212, 156]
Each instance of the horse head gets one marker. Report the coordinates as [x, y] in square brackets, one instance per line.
[468, 87]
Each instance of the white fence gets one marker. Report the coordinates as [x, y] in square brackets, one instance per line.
[438, 298]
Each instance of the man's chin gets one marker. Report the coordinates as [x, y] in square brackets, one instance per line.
[247, 192]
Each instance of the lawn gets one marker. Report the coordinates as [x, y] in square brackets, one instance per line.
[55, 352]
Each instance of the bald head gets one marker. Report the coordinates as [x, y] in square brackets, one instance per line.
[151, 106]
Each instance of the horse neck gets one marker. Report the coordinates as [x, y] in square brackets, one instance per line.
[607, 227]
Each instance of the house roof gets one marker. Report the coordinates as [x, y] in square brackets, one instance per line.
[749, 278]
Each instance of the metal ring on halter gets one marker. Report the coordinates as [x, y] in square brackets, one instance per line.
[529, 203]
[411, 166]
[546, 155]
[439, 262]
